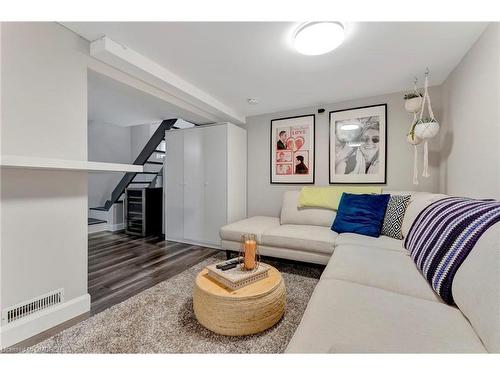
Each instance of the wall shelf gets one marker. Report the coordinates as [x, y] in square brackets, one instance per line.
[27, 162]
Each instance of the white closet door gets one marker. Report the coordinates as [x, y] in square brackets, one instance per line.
[236, 173]
[194, 177]
[215, 181]
[174, 185]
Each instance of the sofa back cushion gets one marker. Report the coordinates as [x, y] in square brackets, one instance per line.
[418, 201]
[291, 214]
[476, 288]
[329, 196]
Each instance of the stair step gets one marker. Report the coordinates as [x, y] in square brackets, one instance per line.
[159, 151]
[99, 208]
[154, 162]
[140, 182]
[92, 221]
[144, 179]
[147, 172]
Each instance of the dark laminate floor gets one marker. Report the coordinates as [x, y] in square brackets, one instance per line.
[121, 265]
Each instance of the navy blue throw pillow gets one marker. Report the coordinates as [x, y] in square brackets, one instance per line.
[361, 213]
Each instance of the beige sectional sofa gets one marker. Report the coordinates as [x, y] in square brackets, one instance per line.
[371, 297]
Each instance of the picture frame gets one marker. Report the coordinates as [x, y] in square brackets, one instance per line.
[292, 159]
[358, 145]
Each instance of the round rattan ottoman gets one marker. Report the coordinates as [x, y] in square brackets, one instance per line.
[245, 311]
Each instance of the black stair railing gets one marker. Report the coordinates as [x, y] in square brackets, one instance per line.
[147, 151]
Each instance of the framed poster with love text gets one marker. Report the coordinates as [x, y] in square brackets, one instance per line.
[292, 150]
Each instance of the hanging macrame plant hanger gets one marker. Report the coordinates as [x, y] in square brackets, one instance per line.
[412, 138]
[428, 128]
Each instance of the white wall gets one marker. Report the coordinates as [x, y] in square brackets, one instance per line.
[471, 121]
[43, 218]
[113, 144]
[35, 258]
[44, 82]
[265, 199]
[43, 214]
[1, 185]
[140, 135]
[106, 143]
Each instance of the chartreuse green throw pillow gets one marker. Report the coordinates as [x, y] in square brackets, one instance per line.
[329, 196]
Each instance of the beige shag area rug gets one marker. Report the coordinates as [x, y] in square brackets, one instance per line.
[161, 320]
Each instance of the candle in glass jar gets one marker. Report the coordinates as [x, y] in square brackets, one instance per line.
[250, 247]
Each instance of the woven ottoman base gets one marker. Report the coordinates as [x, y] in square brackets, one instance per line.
[251, 309]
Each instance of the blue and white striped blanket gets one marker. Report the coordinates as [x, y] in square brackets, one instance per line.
[444, 234]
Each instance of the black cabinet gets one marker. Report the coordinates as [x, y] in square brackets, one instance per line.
[143, 211]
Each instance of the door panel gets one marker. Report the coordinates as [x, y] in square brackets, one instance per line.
[214, 184]
[193, 184]
[174, 184]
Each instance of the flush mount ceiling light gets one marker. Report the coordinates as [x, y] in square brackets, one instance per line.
[318, 38]
[252, 101]
[351, 125]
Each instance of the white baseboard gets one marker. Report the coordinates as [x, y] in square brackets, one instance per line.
[210, 245]
[29, 326]
[98, 215]
[94, 228]
[103, 227]
[116, 227]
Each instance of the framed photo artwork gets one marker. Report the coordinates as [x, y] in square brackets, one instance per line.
[358, 145]
[292, 150]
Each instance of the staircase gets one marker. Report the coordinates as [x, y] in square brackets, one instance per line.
[153, 173]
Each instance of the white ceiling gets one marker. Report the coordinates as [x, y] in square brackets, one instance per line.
[239, 60]
[112, 102]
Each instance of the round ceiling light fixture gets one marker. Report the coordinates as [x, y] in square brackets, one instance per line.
[252, 101]
[351, 125]
[318, 38]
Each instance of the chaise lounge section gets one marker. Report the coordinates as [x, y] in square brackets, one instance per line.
[302, 235]
[371, 297]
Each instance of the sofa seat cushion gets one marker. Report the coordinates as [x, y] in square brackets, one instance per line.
[254, 225]
[389, 270]
[344, 317]
[278, 252]
[382, 242]
[301, 237]
[302, 255]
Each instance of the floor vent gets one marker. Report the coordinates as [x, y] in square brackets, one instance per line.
[32, 306]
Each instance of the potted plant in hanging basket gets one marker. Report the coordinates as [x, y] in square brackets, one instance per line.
[413, 102]
[412, 137]
[426, 128]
